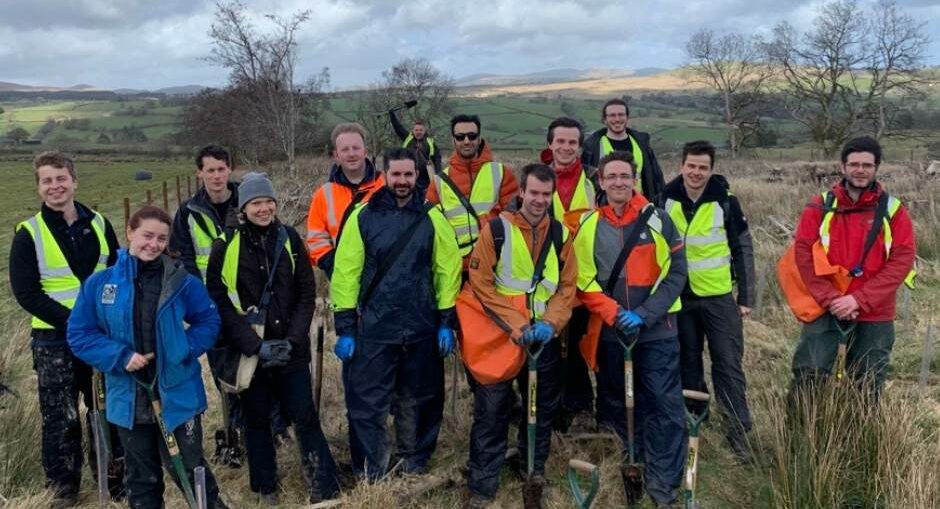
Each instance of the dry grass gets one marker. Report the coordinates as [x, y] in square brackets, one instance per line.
[901, 443]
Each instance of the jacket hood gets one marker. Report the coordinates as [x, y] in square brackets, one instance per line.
[630, 213]
[715, 190]
[200, 200]
[385, 199]
[868, 198]
[337, 175]
[485, 155]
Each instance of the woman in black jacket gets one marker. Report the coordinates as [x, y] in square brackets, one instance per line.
[239, 270]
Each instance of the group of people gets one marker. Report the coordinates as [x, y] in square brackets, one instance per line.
[587, 254]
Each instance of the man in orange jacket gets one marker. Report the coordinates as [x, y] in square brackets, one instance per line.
[471, 179]
[505, 308]
[353, 179]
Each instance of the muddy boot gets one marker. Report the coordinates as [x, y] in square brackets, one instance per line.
[532, 490]
[632, 484]
[116, 479]
[740, 447]
[472, 501]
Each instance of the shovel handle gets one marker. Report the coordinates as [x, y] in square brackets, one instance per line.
[582, 466]
[695, 395]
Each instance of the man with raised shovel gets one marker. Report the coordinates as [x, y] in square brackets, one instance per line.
[522, 283]
[631, 270]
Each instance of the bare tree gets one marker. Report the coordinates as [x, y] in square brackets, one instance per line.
[837, 76]
[896, 61]
[418, 79]
[369, 108]
[734, 66]
[261, 68]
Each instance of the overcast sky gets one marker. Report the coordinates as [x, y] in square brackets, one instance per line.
[153, 44]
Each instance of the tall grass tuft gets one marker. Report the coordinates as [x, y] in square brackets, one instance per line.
[834, 447]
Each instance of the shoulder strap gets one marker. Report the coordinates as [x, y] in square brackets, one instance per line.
[278, 250]
[499, 235]
[628, 244]
[881, 212]
[464, 202]
[394, 254]
[537, 274]
[201, 221]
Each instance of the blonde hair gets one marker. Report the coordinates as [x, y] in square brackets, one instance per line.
[347, 127]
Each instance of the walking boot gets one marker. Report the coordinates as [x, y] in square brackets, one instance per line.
[532, 490]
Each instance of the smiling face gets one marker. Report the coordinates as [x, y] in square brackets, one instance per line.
[617, 180]
[696, 170]
[466, 139]
[616, 119]
[214, 174]
[536, 198]
[350, 152]
[148, 240]
[401, 177]
[261, 211]
[859, 169]
[565, 145]
[55, 186]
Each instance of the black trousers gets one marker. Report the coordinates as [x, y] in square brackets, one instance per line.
[718, 320]
[491, 415]
[146, 452]
[291, 391]
[61, 378]
[578, 394]
[413, 377]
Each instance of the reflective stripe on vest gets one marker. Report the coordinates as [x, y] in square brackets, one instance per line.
[230, 268]
[585, 250]
[582, 199]
[410, 138]
[202, 240]
[894, 205]
[607, 148]
[55, 276]
[484, 195]
[706, 247]
[515, 268]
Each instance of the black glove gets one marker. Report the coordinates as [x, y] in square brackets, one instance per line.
[275, 353]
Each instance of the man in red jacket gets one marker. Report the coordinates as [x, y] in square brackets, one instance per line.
[840, 220]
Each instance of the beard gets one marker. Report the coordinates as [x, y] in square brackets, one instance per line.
[403, 191]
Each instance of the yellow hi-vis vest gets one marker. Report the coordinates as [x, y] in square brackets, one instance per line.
[587, 268]
[410, 138]
[893, 205]
[203, 239]
[230, 267]
[607, 148]
[515, 269]
[484, 195]
[582, 201]
[706, 247]
[55, 276]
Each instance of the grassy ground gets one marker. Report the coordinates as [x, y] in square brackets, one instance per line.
[903, 439]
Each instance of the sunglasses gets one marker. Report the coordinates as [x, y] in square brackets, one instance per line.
[466, 136]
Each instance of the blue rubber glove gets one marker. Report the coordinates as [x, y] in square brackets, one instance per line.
[541, 332]
[445, 341]
[628, 321]
[345, 347]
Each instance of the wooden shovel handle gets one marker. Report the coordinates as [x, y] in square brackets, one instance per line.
[696, 395]
[582, 466]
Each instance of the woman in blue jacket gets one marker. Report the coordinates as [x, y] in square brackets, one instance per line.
[128, 323]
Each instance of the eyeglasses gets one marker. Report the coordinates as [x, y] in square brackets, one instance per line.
[854, 165]
[613, 177]
[466, 136]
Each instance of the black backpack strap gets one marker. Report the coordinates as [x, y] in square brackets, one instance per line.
[881, 212]
[357, 197]
[558, 241]
[397, 249]
[499, 237]
[464, 202]
[638, 227]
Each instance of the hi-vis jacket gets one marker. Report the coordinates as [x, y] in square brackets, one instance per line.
[328, 207]
[418, 292]
[885, 267]
[489, 187]
[651, 280]
[197, 225]
[575, 192]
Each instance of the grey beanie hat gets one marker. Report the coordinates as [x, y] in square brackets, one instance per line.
[254, 184]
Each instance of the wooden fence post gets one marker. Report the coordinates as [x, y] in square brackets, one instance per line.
[179, 192]
[189, 187]
[149, 198]
[127, 211]
[166, 198]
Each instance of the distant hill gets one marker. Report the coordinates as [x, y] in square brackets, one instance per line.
[541, 77]
[6, 86]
